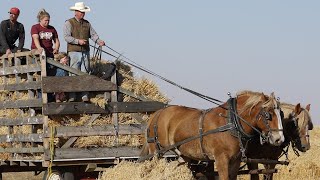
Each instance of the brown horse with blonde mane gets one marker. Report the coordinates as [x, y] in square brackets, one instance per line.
[297, 123]
[255, 113]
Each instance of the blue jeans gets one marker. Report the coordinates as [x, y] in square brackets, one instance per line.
[80, 61]
[61, 72]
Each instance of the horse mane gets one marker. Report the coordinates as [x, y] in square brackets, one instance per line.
[254, 99]
[289, 108]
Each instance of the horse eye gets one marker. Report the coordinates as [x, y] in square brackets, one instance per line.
[267, 115]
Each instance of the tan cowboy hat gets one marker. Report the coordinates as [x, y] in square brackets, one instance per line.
[79, 6]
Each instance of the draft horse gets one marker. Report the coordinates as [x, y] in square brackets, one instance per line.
[253, 112]
[297, 123]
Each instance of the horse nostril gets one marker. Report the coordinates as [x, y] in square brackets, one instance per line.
[305, 148]
[278, 141]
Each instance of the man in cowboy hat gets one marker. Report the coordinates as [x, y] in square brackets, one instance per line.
[10, 31]
[77, 32]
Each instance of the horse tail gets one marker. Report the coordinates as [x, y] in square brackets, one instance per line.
[144, 150]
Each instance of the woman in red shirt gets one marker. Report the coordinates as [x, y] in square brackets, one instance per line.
[44, 35]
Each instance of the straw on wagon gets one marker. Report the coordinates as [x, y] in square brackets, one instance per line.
[158, 169]
[140, 86]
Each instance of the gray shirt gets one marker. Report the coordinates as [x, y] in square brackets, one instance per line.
[69, 39]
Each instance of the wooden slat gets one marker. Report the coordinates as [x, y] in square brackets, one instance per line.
[112, 107]
[132, 94]
[76, 84]
[21, 103]
[71, 131]
[31, 164]
[23, 163]
[21, 138]
[21, 86]
[72, 108]
[80, 73]
[22, 150]
[77, 153]
[138, 117]
[20, 54]
[73, 139]
[21, 121]
[67, 68]
[131, 107]
[3, 163]
[20, 69]
[13, 163]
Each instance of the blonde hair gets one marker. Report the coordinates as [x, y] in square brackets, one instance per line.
[42, 14]
[60, 56]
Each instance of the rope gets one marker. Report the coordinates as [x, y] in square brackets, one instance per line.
[51, 148]
[207, 98]
[210, 99]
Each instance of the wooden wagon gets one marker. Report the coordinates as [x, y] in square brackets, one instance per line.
[25, 74]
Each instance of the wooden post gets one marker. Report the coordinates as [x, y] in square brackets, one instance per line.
[44, 101]
[31, 96]
[114, 98]
[17, 63]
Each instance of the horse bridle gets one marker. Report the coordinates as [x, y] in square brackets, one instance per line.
[266, 117]
[297, 139]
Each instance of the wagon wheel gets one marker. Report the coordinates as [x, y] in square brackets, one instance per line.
[58, 175]
[55, 175]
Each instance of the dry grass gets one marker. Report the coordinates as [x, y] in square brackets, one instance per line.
[304, 167]
[154, 169]
[307, 166]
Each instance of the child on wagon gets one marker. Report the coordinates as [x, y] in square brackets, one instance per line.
[63, 58]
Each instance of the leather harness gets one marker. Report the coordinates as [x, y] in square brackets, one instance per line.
[233, 126]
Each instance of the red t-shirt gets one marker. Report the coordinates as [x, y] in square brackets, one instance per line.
[46, 37]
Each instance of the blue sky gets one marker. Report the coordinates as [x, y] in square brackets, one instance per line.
[213, 47]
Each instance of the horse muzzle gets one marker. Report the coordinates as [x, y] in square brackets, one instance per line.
[276, 138]
[272, 138]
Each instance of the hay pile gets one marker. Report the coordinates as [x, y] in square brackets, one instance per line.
[140, 86]
[126, 79]
[156, 169]
[305, 167]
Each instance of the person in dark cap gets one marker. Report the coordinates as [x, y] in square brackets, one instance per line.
[10, 31]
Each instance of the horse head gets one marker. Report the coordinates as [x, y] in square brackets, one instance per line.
[299, 125]
[266, 110]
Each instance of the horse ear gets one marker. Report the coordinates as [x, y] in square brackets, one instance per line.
[265, 98]
[297, 109]
[272, 96]
[308, 107]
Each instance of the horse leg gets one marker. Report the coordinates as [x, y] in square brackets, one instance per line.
[269, 176]
[234, 166]
[252, 166]
[222, 162]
